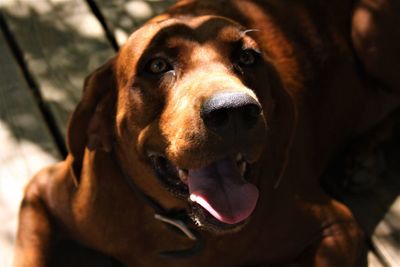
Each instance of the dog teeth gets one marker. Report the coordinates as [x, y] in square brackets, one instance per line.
[183, 175]
[239, 157]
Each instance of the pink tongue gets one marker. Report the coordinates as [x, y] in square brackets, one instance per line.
[220, 189]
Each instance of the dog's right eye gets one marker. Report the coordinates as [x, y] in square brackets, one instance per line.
[247, 57]
[158, 66]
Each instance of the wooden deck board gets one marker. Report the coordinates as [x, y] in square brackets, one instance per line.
[123, 17]
[62, 42]
[26, 145]
[373, 260]
[386, 237]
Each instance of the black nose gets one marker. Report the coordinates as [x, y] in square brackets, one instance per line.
[230, 112]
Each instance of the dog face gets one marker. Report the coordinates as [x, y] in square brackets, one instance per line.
[192, 103]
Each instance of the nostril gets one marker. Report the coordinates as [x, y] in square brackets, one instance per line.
[216, 118]
[250, 115]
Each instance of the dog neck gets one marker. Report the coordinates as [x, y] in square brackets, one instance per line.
[177, 221]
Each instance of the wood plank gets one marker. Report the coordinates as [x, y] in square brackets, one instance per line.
[386, 238]
[26, 145]
[373, 260]
[62, 42]
[124, 16]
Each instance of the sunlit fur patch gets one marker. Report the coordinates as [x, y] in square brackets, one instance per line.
[186, 145]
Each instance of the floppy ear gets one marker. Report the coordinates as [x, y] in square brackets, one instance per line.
[91, 123]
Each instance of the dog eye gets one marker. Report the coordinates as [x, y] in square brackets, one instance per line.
[247, 57]
[158, 66]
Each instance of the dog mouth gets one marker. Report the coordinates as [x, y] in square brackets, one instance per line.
[219, 194]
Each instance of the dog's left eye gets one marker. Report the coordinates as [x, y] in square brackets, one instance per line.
[247, 57]
[158, 66]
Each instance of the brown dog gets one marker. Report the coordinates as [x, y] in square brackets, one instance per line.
[227, 113]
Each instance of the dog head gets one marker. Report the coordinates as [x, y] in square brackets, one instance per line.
[185, 106]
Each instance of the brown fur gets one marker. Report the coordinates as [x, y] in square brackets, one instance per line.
[317, 92]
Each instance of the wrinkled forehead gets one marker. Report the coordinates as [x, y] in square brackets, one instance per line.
[178, 31]
[200, 29]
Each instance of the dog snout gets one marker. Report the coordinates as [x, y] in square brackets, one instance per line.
[230, 113]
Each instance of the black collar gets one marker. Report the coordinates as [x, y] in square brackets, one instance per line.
[177, 221]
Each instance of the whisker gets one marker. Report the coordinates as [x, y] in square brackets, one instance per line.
[243, 33]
